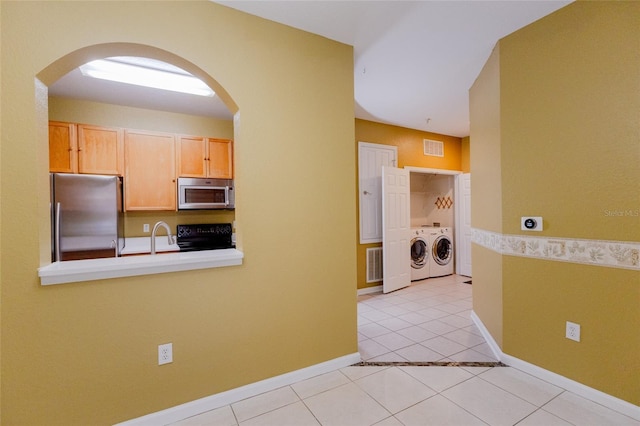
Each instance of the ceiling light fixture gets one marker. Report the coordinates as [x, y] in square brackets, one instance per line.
[113, 70]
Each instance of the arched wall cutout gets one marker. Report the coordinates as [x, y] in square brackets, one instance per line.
[69, 62]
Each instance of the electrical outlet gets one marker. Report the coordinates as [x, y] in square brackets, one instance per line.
[145, 227]
[165, 353]
[573, 331]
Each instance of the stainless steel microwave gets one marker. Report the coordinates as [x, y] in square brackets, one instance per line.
[205, 194]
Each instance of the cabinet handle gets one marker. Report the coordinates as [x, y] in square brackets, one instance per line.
[57, 233]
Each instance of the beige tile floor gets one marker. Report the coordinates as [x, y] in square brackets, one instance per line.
[428, 321]
[388, 396]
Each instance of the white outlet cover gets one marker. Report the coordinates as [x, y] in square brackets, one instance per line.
[531, 223]
[573, 331]
[165, 353]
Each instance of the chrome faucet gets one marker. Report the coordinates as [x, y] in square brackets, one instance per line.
[153, 235]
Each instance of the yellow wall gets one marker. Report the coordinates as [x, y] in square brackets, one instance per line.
[410, 145]
[410, 153]
[134, 221]
[486, 193]
[86, 353]
[465, 155]
[1, 198]
[569, 151]
[101, 114]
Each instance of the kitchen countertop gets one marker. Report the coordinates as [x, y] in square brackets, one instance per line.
[116, 267]
[142, 245]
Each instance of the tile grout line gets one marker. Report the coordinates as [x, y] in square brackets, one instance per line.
[489, 364]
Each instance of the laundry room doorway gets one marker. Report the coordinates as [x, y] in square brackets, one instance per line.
[442, 199]
[436, 207]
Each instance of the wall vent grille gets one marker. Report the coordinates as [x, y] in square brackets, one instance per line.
[433, 148]
[374, 264]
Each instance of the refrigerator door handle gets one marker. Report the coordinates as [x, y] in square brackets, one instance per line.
[57, 232]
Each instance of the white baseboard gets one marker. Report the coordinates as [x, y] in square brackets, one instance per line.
[497, 352]
[577, 388]
[199, 406]
[369, 290]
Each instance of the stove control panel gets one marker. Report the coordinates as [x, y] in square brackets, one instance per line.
[204, 230]
[208, 236]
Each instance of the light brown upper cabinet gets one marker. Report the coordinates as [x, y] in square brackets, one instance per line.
[150, 167]
[63, 147]
[80, 148]
[205, 157]
[100, 150]
[220, 158]
[192, 156]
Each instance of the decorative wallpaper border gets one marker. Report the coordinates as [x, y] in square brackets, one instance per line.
[611, 254]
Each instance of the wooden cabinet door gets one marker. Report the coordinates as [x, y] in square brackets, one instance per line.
[63, 147]
[191, 156]
[100, 150]
[220, 158]
[150, 168]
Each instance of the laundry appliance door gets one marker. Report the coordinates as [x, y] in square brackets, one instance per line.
[441, 256]
[420, 258]
[442, 250]
[419, 253]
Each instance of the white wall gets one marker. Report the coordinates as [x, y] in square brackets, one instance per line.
[426, 189]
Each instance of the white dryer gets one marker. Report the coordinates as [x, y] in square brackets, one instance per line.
[441, 250]
[420, 254]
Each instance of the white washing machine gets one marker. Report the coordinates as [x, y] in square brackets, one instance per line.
[420, 254]
[441, 251]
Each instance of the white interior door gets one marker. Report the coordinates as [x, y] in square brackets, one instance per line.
[463, 189]
[371, 158]
[396, 222]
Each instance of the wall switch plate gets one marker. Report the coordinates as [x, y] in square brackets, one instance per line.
[531, 223]
[573, 331]
[165, 353]
[145, 227]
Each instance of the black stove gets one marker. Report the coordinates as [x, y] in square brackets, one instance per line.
[208, 236]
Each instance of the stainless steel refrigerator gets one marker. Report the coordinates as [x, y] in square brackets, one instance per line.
[86, 216]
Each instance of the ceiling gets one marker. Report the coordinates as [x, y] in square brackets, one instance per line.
[77, 86]
[414, 60]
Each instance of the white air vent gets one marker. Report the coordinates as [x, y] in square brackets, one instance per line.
[374, 264]
[433, 148]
